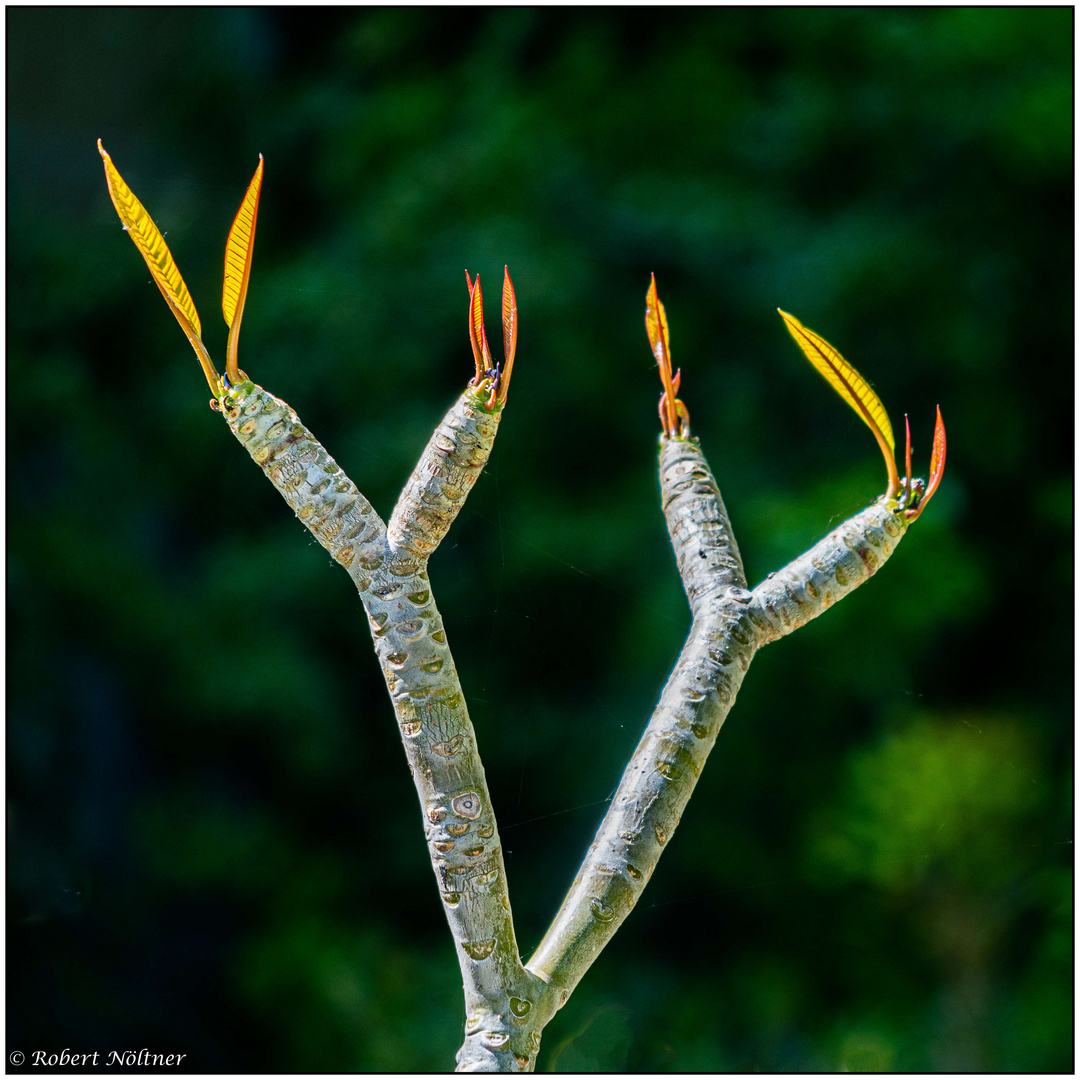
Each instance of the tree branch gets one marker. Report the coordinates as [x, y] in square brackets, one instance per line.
[664, 769]
[389, 568]
[445, 474]
[729, 625]
[507, 1004]
[832, 568]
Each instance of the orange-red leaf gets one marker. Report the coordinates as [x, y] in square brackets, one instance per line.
[481, 352]
[509, 319]
[478, 358]
[657, 329]
[937, 459]
[907, 456]
[937, 468]
[510, 327]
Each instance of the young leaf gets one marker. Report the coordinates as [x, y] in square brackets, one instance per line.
[937, 456]
[147, 238]
[238, 252]
[481, 352]
[907, 457]
[657, 329]
[509, 320]
[852, 387]
[937, 467]
[152, 248]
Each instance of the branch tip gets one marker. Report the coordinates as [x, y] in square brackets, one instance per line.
[674, 416]
[496, 377]
[937, 469]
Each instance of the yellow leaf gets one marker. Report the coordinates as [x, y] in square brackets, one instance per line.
[153, 249]
[852, 387]
[238, 249]
[845, 380]
[238, 252]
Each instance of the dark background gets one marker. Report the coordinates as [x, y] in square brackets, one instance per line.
[213, 843]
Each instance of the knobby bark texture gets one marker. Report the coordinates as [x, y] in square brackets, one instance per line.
[507, 1002]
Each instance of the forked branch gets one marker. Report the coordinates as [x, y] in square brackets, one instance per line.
[508, 1003]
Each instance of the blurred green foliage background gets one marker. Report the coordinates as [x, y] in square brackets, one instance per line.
[214, 846]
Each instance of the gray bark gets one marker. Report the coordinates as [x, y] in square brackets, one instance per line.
[508, 1003]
